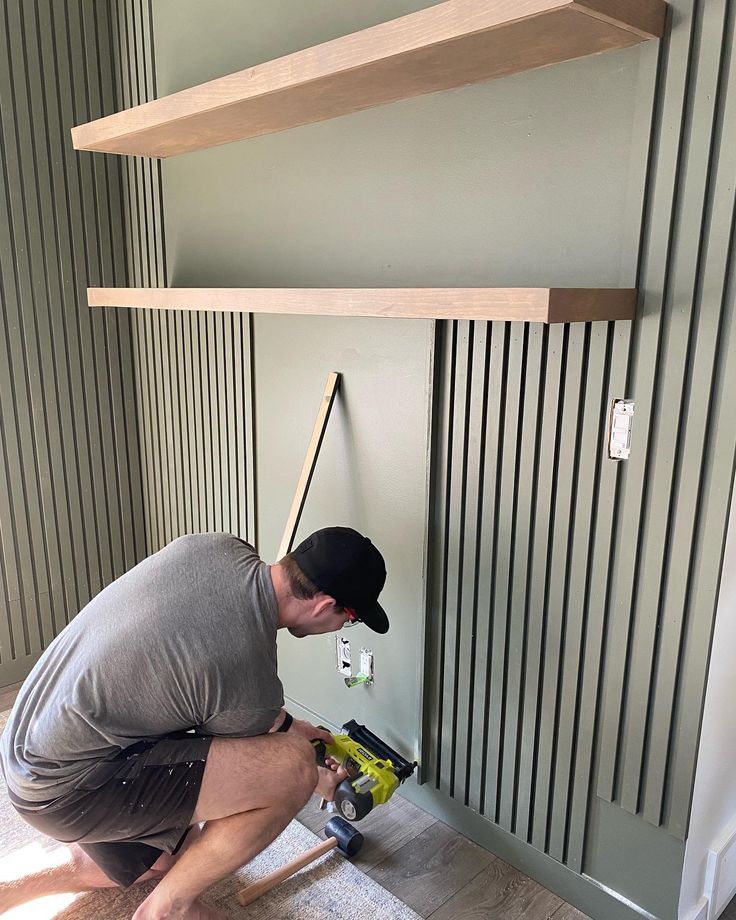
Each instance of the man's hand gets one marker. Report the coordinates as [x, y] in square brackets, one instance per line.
[330, 777]
[332, 773]
[310, 732]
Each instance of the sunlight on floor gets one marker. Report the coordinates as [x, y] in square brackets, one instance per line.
[34, 857]
[42, 908]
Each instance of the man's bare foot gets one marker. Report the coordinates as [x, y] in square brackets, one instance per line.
[196, 910]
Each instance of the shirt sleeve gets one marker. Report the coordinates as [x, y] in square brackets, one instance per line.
[240, 723]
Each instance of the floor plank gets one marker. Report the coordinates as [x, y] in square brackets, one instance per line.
[568, 912]
[500, 892]
[430, 869]
[386, 829]
[8, 695]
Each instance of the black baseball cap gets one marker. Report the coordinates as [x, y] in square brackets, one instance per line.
[347, 566]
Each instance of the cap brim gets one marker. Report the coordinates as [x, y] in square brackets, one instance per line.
[374, 618]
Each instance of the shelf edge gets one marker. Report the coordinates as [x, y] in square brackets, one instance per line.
[545, 305]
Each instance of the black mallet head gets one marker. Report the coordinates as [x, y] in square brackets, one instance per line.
[349, 841]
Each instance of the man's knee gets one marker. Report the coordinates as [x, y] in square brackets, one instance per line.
[304, 768]
[245, 773]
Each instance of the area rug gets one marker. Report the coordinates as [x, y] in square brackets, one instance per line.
[328, 888]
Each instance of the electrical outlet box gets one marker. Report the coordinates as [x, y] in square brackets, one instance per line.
[366, 663]
[343, 661]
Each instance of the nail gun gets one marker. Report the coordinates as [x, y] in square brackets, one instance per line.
[375, 770]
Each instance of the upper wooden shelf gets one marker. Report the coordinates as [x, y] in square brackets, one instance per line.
[453, 44]
[536, 305]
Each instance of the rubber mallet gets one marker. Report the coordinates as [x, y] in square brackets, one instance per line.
[339, 834]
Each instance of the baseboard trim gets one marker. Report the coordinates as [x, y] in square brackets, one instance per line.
[699, 912]
[720, 873]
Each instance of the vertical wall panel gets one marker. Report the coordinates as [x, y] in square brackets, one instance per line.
[588, 641]
[543, 490]
[195, 415]
[70, 514]
[194, 407]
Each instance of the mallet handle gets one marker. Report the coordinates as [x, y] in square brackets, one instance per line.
[249, 894]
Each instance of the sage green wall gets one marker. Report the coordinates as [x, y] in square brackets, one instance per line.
[371, 475]
[536, 179]
[71, 516]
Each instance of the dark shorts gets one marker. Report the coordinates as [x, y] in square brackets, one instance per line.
[129, 809]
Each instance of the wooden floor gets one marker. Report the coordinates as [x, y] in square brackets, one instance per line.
[8, 695]
[438, 872]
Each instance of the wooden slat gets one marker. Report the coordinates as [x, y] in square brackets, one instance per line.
[466, 714]
[452, 44]
[589, 459]
[209, 373]
[439, 509]
[232, 409]
[501, 653]
[599, 581]
[455, 547]
[521, 541]
[551, 385]
[310, 461]
[540, 305]
[249, 431]
[495, 373]
[551, 702]
[220, 412]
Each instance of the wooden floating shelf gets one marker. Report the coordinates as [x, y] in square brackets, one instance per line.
[453, 44]
[535, 305]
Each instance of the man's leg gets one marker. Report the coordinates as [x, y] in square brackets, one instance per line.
[64, 869]
[251, 789]
[248, 764]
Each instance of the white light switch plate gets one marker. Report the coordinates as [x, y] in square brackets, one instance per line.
[619, 435]
[366, 662]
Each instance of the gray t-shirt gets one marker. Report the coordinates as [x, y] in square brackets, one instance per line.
[185, 640]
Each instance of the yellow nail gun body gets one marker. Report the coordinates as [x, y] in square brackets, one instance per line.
[375, 771]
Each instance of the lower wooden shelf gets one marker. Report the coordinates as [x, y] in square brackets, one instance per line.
[535, 305]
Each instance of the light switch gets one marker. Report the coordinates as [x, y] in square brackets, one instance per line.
[619, 438]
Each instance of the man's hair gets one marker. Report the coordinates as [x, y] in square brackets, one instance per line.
[299, 585]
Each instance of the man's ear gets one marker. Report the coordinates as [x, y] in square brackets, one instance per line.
[322, 603]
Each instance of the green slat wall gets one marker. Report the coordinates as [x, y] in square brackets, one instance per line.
[70, 489]
[193, 372]
[572, 602]
[119, 430]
